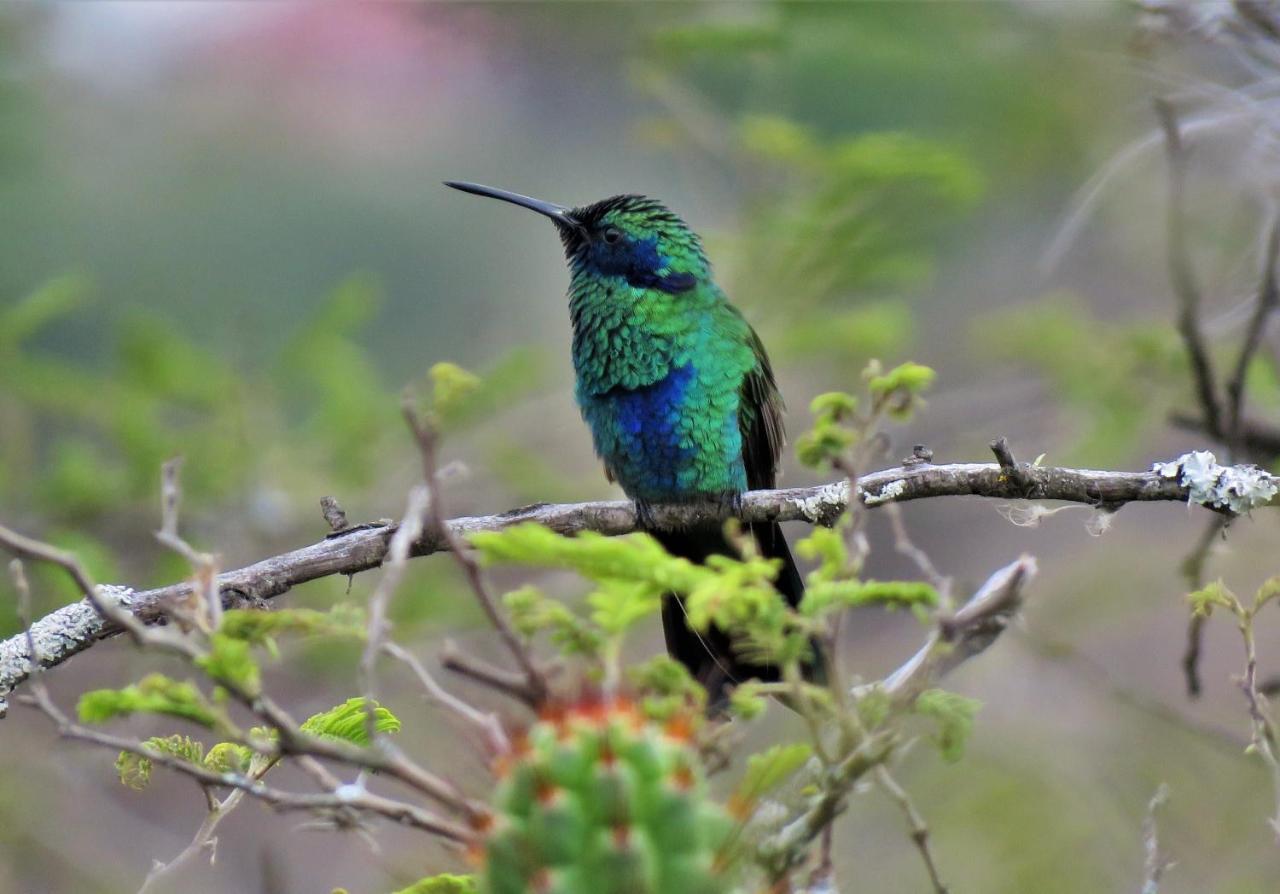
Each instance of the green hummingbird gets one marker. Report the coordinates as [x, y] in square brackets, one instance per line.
[676, 388]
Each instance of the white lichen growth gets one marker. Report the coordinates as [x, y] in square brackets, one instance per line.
[1235, 488]
[888, 493]
[826, 504]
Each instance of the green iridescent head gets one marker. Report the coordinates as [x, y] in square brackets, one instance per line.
[628, 237]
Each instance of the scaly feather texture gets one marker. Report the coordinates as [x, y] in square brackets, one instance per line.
[678, 392]
[676, 388]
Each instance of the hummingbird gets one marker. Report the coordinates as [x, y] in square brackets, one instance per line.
[677, 390]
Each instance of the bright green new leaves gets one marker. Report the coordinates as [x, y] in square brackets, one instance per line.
[135, 769]
[954, 715]
[261, 628]
[451, 387]
[459, 398]
[746, 701]
[153, 694]
[229, 757]
[443, 884]
[349, 722]
[899, 390]
[768, 770]
[821, 597]
[666, 686]
[632, 574]
[533, 612]
[837, 424]
[230, 662]
[1216, 594]
[833, 586]
[225, 757]
[830, 438]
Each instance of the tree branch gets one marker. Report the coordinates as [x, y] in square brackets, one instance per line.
[76, 627]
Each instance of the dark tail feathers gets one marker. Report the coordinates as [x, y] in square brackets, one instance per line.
[710, 656]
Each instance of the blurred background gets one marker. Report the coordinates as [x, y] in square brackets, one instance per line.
[223, 236]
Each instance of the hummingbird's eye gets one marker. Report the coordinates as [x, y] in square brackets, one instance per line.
[612, 235]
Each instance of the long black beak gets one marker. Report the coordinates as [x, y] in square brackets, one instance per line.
[558, 213]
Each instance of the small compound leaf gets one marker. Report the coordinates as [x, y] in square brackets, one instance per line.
[954, 715]
[349, 722]
[153, 694]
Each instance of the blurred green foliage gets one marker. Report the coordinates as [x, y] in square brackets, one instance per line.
[867, 148]
[1118, 379]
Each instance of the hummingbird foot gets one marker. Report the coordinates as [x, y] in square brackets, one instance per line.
[645, 519]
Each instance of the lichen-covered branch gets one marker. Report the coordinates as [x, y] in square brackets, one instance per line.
[76, 627]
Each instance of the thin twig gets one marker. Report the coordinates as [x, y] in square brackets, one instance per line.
[398, 811]
[488, 724]
[1193, 572]
[208, 601]
[1156, 863]
[204, 840]
[1268, 300]
[1182, 272]
[919, 829]
[507, 682]
[427, 440]
[377, 628]
[903, 543]
[1264, 730]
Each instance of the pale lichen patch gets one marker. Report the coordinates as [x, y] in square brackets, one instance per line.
[888, 493]
[1237, 489]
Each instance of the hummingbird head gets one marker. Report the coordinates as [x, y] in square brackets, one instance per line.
[631, 238]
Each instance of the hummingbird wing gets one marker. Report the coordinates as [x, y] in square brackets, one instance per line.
[760, 420]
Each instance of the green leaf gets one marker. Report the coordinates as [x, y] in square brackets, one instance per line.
[899, 389]
[954, 715]
[617, 606]
[135, 769]
[769, 769]
[451, 386]
[821, 596]
[349, 722]
[229, 757]
[258, 627]
[746, 701]
[873, 707]
[735, 595]
[1205, 599]
[153, 694]
[231, 663]
[1269, 590]
[823, 444]
[833, 404]
[443, 884]
[666, 687]
[533, 612]
[459, 397]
